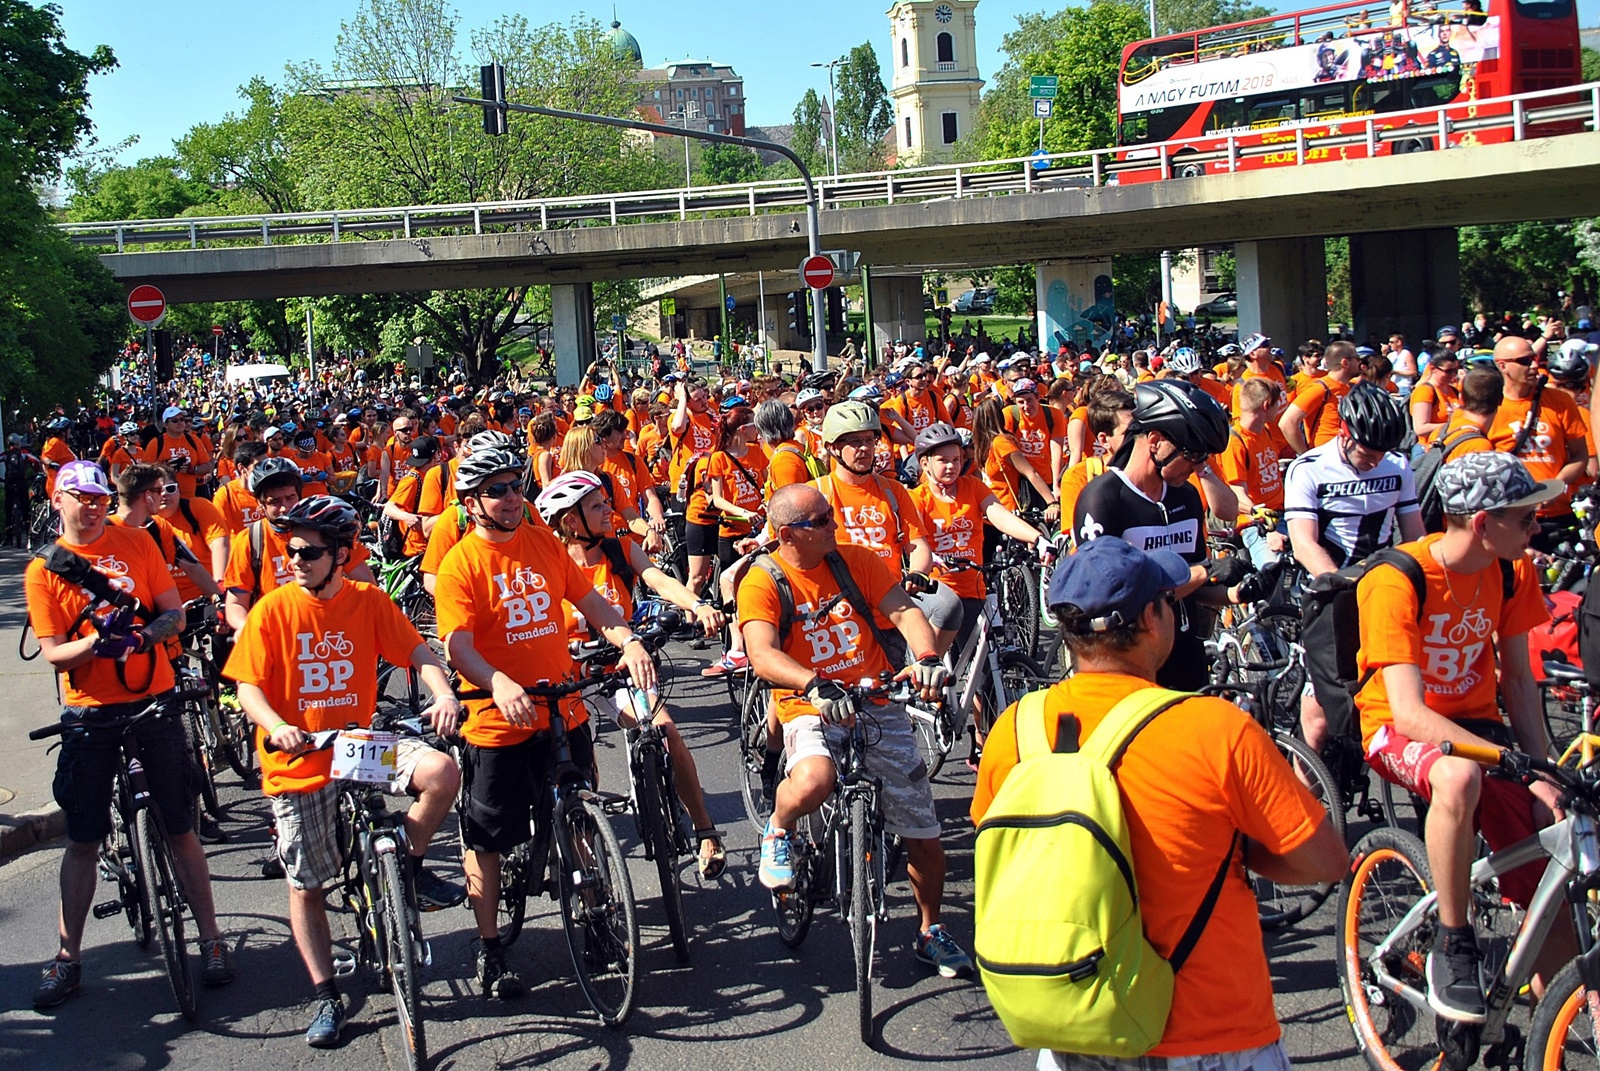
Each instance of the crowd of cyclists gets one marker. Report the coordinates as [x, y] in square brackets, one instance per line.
[822, 532]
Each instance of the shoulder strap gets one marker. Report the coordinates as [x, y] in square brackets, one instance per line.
[894, 505]
[765, 563]
[1032, 740]
[852, 595]
[258, 546]
[617, 555]
[1449, 443]
[1247, 458]
[1508, 580]
[188, 514]
[1533, 419]
[1408, 566]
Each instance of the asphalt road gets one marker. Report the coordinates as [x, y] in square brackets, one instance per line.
[743, 998]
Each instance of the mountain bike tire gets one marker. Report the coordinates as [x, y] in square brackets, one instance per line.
[597, 915]
[1281, 906]
[164, 901]
[752, 753]
[404, 961]
[516, 873]
[862, 912]
[655, 817]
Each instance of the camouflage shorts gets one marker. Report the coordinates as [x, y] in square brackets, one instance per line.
[1266, 1058]
[892, 756]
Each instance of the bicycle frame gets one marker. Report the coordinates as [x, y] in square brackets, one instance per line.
[979, 650]
[375, 832]
[1572, 847]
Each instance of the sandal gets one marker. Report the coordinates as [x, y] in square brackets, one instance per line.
[713, 864]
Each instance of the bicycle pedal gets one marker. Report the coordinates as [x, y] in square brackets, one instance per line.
[427, 954]
[107, 909]
[344, 962]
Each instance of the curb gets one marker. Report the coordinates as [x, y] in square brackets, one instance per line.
[23, 832]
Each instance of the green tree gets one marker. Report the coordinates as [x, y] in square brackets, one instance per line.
[150, 189]
[44, 99]
[723, 165]
[1016, 289]
[1515, 267]
[863, 113]
[1175, 16]
[248, 154]
[1591, 65]
[805, 136]
[1082, 47]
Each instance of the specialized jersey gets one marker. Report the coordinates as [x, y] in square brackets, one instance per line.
[1355, 511]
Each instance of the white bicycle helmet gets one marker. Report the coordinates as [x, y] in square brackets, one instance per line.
[564, 492]
[491, 440]
[807, 396]
[1183, 362]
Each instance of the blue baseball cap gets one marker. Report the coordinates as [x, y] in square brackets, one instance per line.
[1110, 582]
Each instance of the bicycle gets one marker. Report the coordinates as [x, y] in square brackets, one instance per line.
[842, 853]
[378, 888]
[136, 856]
[574, 856]
[1387, 920]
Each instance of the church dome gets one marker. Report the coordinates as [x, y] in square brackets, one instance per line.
[624, 46]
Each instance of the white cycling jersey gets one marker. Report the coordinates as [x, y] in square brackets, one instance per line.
[1355, 511]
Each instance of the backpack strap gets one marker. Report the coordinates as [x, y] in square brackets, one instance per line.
[1508, 580]
[258, 549]
[1533, 419]
[852, 595]
[1410, 567]
[1032, 740]
[188, 515]
[617, 555]
[1234, 432]
[765, 563]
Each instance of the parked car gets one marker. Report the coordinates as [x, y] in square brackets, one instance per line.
[1223, 306]
[978, 302]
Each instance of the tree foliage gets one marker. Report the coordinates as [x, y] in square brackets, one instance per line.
[151, 189]
[248, 155]
[863, 114]
[1175, 16]
[723, 165]
[806, 137]
[1515, 267]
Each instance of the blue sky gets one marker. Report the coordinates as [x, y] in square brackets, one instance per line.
[183, 60]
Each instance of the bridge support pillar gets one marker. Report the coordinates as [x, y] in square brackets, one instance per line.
[1283, 289]
[896, 303]
[1406, 281]
[1075, 302]
[572, 325]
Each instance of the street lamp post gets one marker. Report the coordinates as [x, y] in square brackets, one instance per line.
[833, 113]
[683, 115]
[819, 315]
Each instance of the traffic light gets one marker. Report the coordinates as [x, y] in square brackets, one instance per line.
[164, 362]
[835, 310]
[799, 314]
[494, 88]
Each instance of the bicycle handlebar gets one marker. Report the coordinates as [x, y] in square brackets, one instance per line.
[154, 708]
[1478, 753]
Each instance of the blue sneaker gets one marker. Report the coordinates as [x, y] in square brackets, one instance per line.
[326, 1025]
[938, 949]
[777, 864]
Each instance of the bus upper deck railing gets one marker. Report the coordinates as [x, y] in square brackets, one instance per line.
[1521, 115]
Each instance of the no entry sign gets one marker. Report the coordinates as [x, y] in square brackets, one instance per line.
[147, 305]
[817, 271]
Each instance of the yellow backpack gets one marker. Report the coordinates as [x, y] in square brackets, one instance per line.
[1059, 939]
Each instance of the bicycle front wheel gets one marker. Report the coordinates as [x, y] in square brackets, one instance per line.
[1281, 906]
[597, 913]
[752, 754]
[516, 873]
[1388, 875]
[402, 952]
[863, 909]
[1566, 1026]
[239, 745]
[164, 902]
[202, 756]
[1019, 607]
[935, 736]
[655, 829]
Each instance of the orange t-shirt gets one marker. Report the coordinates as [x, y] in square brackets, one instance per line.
[837, 647]
[1073, 481]
[508, 597]
[237, 506]
[1470, 445]
[787, 465]
[433, 499]
[399, 464]
[1442, 402]
[207, 527]
[629, 478]
[56, 452]
[604, 580]
[650, 441]
[407, 495]
[1252, 459]
[1034, 434]
[1000, 473]
[275, 571]
[134, 563]
[1273, 372]
[317, 662]
[920, 408]
[1218, 391]
[1191, 778]
[867, 518]
[737, 487]
[1545, 452]
[956, 529]
[1454, 643]
[316, 461]
[168, 449]
[445, 535]
[699, 439]
[1319, 401]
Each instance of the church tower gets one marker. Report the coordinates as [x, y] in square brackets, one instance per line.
[934, 57]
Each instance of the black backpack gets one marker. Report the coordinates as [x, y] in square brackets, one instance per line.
[1330, 630]
[1427, 473]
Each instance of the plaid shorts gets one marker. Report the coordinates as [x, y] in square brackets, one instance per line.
[308, 828]
[1266, 1058]
[892, 756]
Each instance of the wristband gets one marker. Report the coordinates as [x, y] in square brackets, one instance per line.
[926, 657]
[630, 639]
[275, 728]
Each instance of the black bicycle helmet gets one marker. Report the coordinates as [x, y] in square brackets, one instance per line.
[472, 472]
[936, 435]
[1189, 417]
[333, 517]
[273, 470]
[1372, 418]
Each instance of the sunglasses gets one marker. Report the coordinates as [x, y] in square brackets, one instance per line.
[1526, 521]
[497, 491]
[403, 430]
[820, 408]
[91, 498]
[1525, 362]
[307, 552]
[824, 521]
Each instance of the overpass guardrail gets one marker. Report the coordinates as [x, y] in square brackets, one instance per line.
[1544, 113]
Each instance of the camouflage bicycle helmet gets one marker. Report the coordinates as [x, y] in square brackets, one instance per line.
[1372, 418]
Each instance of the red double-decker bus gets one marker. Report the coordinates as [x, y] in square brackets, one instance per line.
[1298, 78]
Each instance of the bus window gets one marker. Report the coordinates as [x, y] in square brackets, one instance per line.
[1324, 102]
[1226, 115]
[1151, 57]
[1166, 122]
[1135, 130]
[1544, 9]
[1433, 91]
[1269, 111]
[1385, 97]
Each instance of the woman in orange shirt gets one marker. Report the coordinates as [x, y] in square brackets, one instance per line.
[1004, 464]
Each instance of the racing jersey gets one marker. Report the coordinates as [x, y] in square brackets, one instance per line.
[1355, 511]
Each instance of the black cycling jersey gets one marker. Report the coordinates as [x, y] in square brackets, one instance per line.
[1111, 505]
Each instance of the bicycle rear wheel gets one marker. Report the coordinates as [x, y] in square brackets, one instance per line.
[795, 907]
[404, 959]
[239, 745]
[597, 913]
[863, 909]
[1388, 875]
[164, 902]
[655, 829]
[1019, 607]
[1281, 906]
[202, 755]
[1564, 1031]
[516, 873]
[752, 754]
[935, 735]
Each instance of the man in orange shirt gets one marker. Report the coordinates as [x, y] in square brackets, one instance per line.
[233, 499]
[1312, 417]
[315, 466]
[919, 404]
[1041, 432]
[111, 666]
[1436, 670]
[55, 452]
[404, 505]
[1250, 467]
[1541, 425]
[307, 661]
[181, 448]
[809, 662]
[498, 596]
[1198, 779]
[1257, 351]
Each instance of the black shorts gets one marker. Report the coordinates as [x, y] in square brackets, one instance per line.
[87, 765]
[500, 785]
[701, 539]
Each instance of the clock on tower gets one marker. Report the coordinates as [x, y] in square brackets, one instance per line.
[935, 83]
